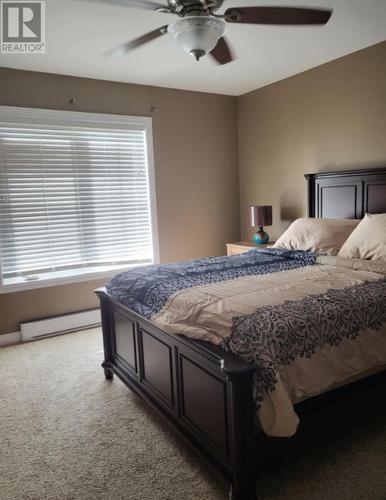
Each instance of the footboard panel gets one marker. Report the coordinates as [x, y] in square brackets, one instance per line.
[158, 368]
[124, 342]
[204, 403]
[204, 393]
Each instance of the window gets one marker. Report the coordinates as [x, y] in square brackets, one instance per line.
[76, 196]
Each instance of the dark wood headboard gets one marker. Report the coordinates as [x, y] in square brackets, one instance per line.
[348, 194]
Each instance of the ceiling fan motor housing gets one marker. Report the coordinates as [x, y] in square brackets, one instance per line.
[197, 35]
[183, 7]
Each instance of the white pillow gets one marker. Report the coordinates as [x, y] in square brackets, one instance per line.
[318, 235]
[368, 240]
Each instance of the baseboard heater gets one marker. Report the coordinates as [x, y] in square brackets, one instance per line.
[58, 325]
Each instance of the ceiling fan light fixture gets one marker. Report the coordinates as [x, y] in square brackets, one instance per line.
[197, 35]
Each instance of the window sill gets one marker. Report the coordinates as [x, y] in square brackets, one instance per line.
[63, 278]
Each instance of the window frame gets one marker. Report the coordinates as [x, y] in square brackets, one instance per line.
[98, 120]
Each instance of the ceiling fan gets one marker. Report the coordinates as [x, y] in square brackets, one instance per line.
[200, 31]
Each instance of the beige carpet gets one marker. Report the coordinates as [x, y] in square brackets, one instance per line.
[67, 433]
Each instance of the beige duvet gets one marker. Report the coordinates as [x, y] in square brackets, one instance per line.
[307, 326]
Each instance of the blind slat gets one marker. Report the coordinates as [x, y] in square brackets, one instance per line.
[72, 196]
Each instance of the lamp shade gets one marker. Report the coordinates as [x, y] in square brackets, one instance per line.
[261, 215]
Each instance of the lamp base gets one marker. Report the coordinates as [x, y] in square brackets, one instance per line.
[260, 237]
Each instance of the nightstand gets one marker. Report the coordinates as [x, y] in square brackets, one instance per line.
[244, 246]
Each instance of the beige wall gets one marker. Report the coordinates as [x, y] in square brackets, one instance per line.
[195, 147]
[330, 117]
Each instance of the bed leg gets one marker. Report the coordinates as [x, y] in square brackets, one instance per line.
[243, 436]
[109, 374]
[240, 495]
[243, 488]
[107, 328]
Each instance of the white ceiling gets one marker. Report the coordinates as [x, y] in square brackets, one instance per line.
[79, 32]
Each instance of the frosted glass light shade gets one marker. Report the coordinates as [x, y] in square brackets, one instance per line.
[197, 35]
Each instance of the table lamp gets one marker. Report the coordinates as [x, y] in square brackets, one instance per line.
[260, 216]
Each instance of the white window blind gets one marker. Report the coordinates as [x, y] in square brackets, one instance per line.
[75, 195]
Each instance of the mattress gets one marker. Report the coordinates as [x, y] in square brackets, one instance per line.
[308, 322]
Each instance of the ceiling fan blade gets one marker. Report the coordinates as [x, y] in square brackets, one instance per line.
[222, 52]
[137, 42]
[136, 4]
[277, 15]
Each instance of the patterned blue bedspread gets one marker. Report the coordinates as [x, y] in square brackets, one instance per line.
[145, 290]
[344, 311]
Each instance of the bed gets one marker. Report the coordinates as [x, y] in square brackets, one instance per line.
[206, 392]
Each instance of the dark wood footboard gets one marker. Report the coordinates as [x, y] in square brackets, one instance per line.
[205, 395]
[201, 391]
